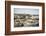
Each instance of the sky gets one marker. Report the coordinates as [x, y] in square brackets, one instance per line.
[26, 11]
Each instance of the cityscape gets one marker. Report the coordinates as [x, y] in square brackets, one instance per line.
[26, 17]
[26, 20]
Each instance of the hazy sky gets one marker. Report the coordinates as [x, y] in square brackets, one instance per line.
[26, 11]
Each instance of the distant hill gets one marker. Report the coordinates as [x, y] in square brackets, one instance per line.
[26, 15]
